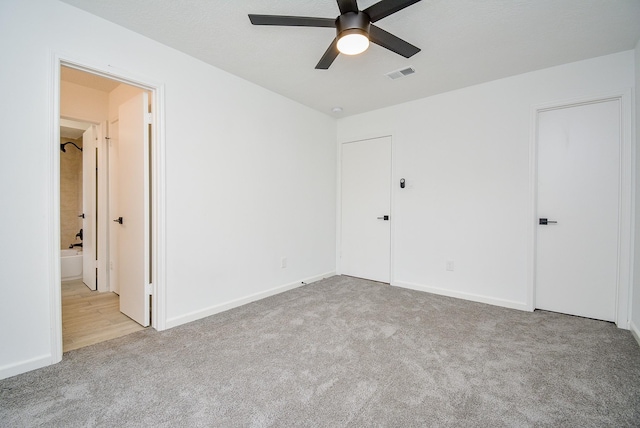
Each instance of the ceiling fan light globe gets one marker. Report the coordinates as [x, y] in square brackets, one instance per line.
[353, 43]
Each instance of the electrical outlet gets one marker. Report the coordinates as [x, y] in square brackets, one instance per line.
[450, 265]
[283, 263]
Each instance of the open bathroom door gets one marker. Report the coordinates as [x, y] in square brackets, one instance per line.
[132, 223]
[89, 207]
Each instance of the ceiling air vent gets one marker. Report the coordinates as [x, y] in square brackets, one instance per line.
[393, 75]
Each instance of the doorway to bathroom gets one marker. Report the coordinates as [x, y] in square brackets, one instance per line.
[79, 190]
[105, 206]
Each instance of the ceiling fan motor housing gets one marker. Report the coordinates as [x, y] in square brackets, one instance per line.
[354, 28]
[353, 22]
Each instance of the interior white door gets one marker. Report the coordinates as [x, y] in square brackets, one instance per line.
[113, 206]
[133, 203]
[89, 222]
[578, 187]
[366, 209]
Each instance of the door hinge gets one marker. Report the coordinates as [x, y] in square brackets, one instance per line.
[149, 289]
[149, 118]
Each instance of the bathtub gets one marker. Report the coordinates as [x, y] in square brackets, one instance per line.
[70, 264]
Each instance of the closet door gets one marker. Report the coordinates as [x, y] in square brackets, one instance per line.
[366, 205]
[578, 209]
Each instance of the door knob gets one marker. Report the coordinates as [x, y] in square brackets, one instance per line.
[118, 220]
[384, 217]
[546, 221]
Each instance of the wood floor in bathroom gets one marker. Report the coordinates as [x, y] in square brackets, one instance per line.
[90, 317]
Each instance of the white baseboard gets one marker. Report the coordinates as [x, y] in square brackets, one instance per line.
[635, 332]
[212, 310]
[25, 366]
[462, 295]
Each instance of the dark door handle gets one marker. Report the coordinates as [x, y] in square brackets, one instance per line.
[81, 215]
[546, 221]
[118, 220]
[384, 217]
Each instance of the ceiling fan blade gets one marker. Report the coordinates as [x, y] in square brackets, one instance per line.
[292, 21]
[329, 56]
[387, 40]
[385, 8]
[348, 6]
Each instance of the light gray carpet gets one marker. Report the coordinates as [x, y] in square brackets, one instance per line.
[344, 352]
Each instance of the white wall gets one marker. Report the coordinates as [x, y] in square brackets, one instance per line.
[465, 157]
[250, 176]
[82, 103]
[119, 95]
[635, 298]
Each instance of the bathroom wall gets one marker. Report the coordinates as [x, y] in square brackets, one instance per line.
[70, 192]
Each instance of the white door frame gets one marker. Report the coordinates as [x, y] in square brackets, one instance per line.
[626, 199]
[157, 211]
[339, 203]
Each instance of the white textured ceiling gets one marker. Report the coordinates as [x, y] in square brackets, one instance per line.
[463, 42]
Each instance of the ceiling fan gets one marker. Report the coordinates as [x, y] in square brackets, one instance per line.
[354, 28]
